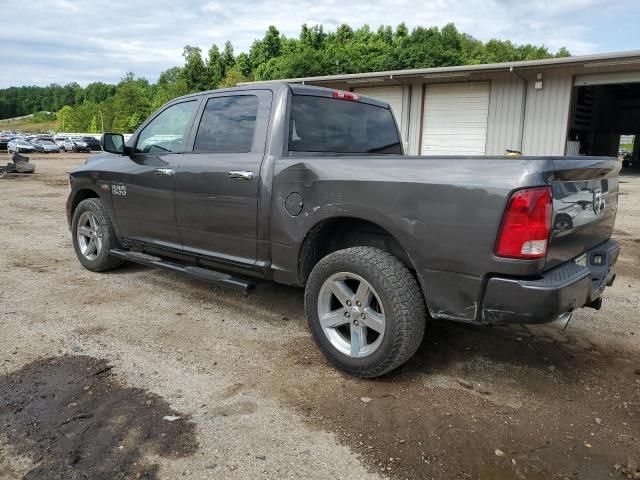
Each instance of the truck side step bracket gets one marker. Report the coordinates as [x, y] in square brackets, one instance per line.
[213, 276]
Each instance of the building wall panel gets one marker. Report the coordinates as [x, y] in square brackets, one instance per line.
[547, 114]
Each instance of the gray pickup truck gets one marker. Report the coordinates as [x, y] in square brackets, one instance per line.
[309, 186]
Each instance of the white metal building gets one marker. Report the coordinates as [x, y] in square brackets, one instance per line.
[542, 107]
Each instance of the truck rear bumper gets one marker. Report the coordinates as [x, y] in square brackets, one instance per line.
[562, 289]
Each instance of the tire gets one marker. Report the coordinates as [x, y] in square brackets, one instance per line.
[92, 214]
[391, 322]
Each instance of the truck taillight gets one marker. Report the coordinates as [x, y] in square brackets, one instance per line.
[342, 95]
[526, 223]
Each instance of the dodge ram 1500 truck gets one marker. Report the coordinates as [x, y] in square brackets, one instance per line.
[309, 186]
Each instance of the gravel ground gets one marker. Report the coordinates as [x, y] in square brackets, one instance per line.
[188, 380]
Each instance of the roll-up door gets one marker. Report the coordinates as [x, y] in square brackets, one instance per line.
[455, 118]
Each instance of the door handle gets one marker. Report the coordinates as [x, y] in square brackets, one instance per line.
[241, 175]
[167, 172]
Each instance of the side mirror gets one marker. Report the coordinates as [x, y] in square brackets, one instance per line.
[113, 143]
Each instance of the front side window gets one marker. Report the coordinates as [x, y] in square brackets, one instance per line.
[227, 124]
[167, 133]
[322, 124]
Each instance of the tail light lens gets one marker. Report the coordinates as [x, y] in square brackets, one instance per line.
[526, 223]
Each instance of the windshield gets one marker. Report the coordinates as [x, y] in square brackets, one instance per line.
[322, 124]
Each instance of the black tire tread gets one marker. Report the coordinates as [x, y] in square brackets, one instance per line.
[109, 239]
[409, 310]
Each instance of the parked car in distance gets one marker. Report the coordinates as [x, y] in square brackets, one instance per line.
[75, 144]
[59, 140]
[5, 138]
[93, 143]
[19, 145]
[45, 146]
[309, 186]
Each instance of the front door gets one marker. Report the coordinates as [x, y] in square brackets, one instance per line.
[144, 191]
[218, 181]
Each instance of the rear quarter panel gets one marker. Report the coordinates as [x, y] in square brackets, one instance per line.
[445, 213]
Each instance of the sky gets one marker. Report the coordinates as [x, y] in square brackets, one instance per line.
[61, 41]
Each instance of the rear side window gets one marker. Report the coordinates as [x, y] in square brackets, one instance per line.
[227, 124]
[321, 124]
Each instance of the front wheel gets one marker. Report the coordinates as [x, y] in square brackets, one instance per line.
[365, 310]
[94, 236]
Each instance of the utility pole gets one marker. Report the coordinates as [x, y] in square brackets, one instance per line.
[101, 122]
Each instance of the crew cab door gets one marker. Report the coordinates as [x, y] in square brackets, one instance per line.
[143, 191]
[218, 181]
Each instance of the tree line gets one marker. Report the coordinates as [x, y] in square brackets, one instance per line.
[124, 106]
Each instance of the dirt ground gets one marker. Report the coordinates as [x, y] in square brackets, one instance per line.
[140, 373]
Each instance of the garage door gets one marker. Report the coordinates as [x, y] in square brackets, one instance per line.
[455, 118]
[391, 95]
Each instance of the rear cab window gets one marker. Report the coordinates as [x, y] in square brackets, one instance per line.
[331, 125]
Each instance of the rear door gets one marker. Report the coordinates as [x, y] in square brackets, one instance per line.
[143, 191]
[585, 202]
[218, 181]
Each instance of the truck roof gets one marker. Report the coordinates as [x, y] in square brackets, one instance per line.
[296, 88]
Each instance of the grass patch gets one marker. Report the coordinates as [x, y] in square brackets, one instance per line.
[626, 146]
[29, 126]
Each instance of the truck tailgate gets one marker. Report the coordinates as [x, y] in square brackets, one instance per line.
[585, 201]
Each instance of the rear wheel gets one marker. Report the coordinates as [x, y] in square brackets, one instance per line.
[365, 310]
[94, 236]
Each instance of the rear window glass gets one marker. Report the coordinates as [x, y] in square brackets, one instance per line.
[227, 124]
[321, 124]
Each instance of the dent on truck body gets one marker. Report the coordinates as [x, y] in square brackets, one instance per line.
[445, 217]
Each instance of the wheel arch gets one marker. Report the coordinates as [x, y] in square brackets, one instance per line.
[79, 196]
[337, 233]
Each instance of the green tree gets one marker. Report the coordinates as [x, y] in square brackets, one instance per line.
[232, 78]
[131, 98]
[214, 66]
[170, 85]
[194, 72]
[274, 56]
[63, 118]
[93, 126]
[134, 121]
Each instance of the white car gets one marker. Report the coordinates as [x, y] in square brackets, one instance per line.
[59, 140]
[45, 146]
[75, 144]
[20, 146]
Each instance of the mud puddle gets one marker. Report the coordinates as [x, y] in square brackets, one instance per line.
[69, 417]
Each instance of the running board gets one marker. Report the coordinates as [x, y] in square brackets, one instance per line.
[213, 276]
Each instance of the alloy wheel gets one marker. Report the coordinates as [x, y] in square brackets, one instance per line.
[89, 235]
[351, 314]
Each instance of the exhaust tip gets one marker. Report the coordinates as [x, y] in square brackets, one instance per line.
[562, 321]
